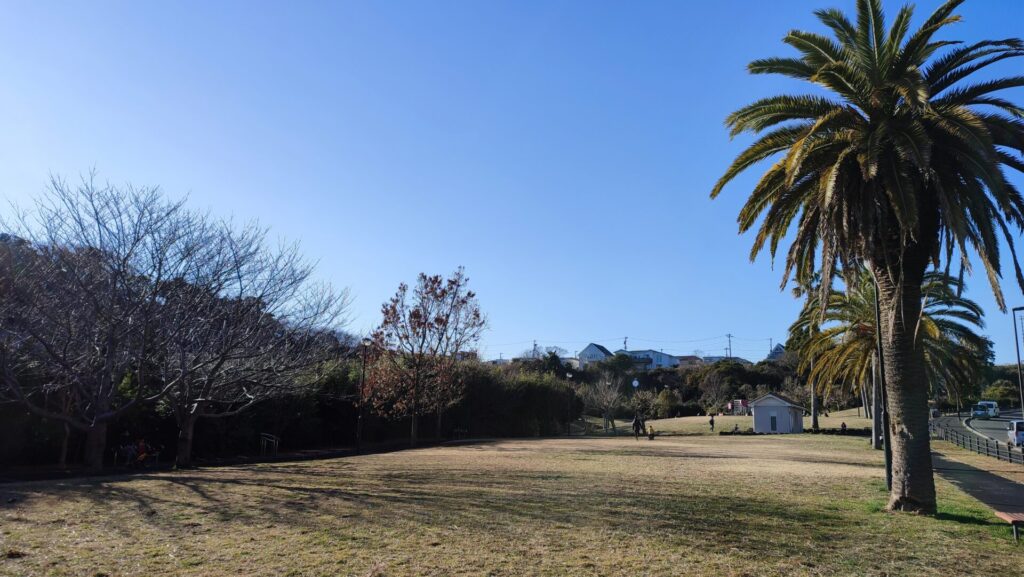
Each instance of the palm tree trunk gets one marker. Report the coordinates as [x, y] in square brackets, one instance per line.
[906, 388]
[814, 408]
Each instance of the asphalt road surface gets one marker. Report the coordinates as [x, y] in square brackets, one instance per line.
[995, 428]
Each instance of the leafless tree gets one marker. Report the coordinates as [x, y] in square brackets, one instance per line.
[84, 301]
[115, 296]
[242, 325]
[603, 396]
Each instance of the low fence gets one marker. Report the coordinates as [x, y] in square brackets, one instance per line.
[980, 445]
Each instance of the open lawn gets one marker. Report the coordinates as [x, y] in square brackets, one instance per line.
[702, 505]
[699, 425]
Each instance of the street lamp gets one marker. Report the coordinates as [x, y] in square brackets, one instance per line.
[1020, 377]
[568, 408]
[366, 342]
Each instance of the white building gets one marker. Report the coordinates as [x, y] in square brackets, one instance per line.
[650, 359]
[593, 353]
[777, 414]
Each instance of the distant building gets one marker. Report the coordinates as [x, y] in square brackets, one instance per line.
[776, 414]
[593, 353]
[499, 362]
[571, 362]
[689, 361]
[650, 359]
[739, 407]
[776, 353]
[714, 359]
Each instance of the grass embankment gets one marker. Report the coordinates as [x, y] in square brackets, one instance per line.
[701, 505]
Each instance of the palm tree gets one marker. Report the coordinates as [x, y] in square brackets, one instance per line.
[900, 167]
[800, 335]
[843, 351]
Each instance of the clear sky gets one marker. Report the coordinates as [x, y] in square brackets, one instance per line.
[561, 151]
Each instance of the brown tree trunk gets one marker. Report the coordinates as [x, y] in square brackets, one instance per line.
[906, 386]
[95, 446]
[437, 432]
[415, 416]
[186, 431]
[814, 408]
[62, 458]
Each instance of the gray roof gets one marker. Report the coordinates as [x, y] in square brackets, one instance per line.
[600, 348]
[779, 397]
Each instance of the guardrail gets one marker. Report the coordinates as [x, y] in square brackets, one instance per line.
[980, 445]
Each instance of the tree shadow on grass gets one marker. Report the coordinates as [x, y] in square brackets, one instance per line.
[421, 498]
[997, 492]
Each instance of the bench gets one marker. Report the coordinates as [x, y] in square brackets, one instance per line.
[1016, 521]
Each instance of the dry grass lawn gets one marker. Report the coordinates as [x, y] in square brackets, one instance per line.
[694, 505]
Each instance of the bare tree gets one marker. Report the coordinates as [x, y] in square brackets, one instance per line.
[603, 396]
[243, 324]
[716, 392]
[419, 343]
[84, 301]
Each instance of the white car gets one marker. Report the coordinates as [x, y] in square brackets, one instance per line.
[980, 411]
[1015, 430]
[992, 406]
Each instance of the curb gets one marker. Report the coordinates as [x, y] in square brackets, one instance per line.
[967, 425]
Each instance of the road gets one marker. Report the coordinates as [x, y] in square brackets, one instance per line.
[995, 428]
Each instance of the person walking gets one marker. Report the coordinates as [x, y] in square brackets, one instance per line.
[637, 426]
[711, 422]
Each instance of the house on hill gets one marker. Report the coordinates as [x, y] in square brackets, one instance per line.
[776, 353]
[714, 359]
[593, 353]
[689, 361]
[774, 413]
[650, 359]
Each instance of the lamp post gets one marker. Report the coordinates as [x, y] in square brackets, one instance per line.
[568, 407]
[365, 344]
[1020, 376]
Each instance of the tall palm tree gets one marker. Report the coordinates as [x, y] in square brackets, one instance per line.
[842, 350]
[900, 167]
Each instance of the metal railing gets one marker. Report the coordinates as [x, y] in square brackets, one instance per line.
[980, 445]
[269, 444]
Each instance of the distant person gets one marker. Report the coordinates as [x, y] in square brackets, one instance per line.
[736, 428]
[637, 426]
[842, 427]
[141, 452]
[650, 432]
[711, 422]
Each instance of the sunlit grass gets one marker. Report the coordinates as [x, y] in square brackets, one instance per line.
[783, 505]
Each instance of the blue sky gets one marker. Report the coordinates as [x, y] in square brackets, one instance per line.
[561, 151]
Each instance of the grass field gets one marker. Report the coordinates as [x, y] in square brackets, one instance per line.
[699, 425]
[702, 505]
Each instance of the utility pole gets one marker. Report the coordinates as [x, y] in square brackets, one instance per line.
[1016, 342]
[770, 345]
[729, 350]
[625, 343]
[534, 348]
